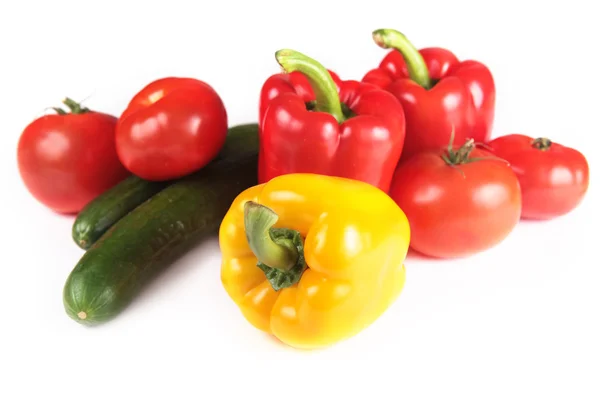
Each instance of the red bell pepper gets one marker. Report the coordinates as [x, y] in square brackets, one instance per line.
[352, 129]
[293, 82]
[439, 93]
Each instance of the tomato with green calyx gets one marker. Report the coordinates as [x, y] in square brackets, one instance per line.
[554, 178]
[68, 158]
[172, 127]
[459, 201]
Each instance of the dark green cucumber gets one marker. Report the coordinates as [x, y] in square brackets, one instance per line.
[102, 212]
[142, 244]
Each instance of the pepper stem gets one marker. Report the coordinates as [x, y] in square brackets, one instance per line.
[417, 68]
[542, 143]
[280, 251]
[327, 98]
[259, 220]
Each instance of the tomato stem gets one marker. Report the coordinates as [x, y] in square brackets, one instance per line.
[542, 143]
[74, 107]
[59, 111]
[461, 155]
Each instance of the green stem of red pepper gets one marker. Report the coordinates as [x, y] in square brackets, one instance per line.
[417, 68]
[280, 251]
[327, 97]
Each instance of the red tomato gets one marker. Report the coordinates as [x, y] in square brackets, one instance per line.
[554, 178]
[171, 128]
[67, 159]
[458, 202]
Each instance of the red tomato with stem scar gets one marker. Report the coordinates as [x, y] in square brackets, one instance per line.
[459, 201]
[554, 178]
[67, 159]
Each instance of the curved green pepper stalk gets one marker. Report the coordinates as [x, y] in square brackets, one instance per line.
[280, 251]
[417, 69]
[327, 98]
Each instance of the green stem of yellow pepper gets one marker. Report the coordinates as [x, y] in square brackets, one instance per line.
[279, 251]
[259, 220]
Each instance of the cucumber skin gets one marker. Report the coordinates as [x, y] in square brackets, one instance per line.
[141, 245]
[102, 212]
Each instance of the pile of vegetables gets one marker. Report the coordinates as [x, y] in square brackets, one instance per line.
[315, 205]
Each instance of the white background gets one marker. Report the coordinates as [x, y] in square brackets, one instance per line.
[519, 321]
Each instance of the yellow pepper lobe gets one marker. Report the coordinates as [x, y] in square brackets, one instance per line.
[355, 243]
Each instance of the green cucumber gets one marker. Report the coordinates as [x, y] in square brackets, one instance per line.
[102, 212]
[142, 244]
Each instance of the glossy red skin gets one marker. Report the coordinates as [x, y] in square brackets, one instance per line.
[171, 128]
[294, 82]
[366, 147]
[553, 182]
[464, 97]
[65, 161]
[452, 215]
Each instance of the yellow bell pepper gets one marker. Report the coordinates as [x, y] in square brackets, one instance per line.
[313, 259]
